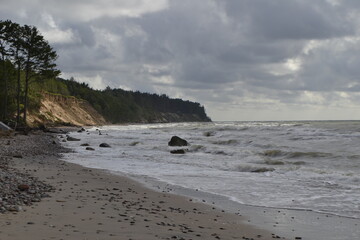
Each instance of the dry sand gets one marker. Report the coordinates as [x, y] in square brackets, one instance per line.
[93, 204]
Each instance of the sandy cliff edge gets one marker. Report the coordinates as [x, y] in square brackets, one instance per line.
[58, 110]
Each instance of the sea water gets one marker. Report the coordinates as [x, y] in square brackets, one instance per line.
[293, 165]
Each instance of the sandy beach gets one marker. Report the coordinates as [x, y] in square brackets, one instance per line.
[93, 204]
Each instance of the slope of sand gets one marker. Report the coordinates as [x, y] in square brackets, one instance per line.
[93, 204]
[55, 109]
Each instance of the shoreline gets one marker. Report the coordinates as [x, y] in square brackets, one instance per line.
[286, 222]
[307, 224]
[127, 207]
[93, 204]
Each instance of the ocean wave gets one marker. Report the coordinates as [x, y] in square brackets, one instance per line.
[220, 152]
[273, 153]
[201, 148]
[209, 133]
[278, 162]
[197, 148]
[253, 169]
[279, 153]
[274, 162]
[232, 128]
[226, 142]
[354, 157]
[298, 163]
[308, 154]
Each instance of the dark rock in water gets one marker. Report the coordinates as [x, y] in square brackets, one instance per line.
[104, 145]
[23, 187]
[81, 130]
[72, 139]
[209, 134]
[84, 145]
[134, 143]
[177, 142]
[178, 151]
[273, 153]
[90, 149]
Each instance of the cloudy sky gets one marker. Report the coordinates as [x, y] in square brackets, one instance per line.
[241, 59]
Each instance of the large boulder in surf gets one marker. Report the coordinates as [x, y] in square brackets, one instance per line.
[177, 142]
[104, 145]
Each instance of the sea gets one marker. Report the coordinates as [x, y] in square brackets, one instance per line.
[305, 165]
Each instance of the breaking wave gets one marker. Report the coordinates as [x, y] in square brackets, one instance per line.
[226, 142]
[252, 169]
[279, 153]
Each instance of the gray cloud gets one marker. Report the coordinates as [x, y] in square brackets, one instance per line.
[282, 19]
[235, 57]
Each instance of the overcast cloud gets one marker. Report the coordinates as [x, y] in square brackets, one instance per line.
[242, 59]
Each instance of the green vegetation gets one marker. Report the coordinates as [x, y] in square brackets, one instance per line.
[119, 106]
[28, 69]
[25, 57]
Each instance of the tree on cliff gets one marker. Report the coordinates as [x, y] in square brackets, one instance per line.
[32, 56]
[14, 34]
[4, 48]
[39, 59]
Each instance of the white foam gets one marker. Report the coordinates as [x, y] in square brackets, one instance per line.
[324, 182]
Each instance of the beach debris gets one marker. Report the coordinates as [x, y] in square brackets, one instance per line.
[177, 142]
[104, 145]
[90, 149]
[85, 145]
[4, 127]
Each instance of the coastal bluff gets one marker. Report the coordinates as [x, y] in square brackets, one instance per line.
[57, 109]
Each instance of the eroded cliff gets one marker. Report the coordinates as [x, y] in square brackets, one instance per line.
[59, 110]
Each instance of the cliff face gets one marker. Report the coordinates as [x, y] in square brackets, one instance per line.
[57, 109]
[60, 110]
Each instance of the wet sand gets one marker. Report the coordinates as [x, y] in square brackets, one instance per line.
[94, 204]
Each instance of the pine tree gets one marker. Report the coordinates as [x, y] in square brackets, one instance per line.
[4, 54]
[39, 59]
